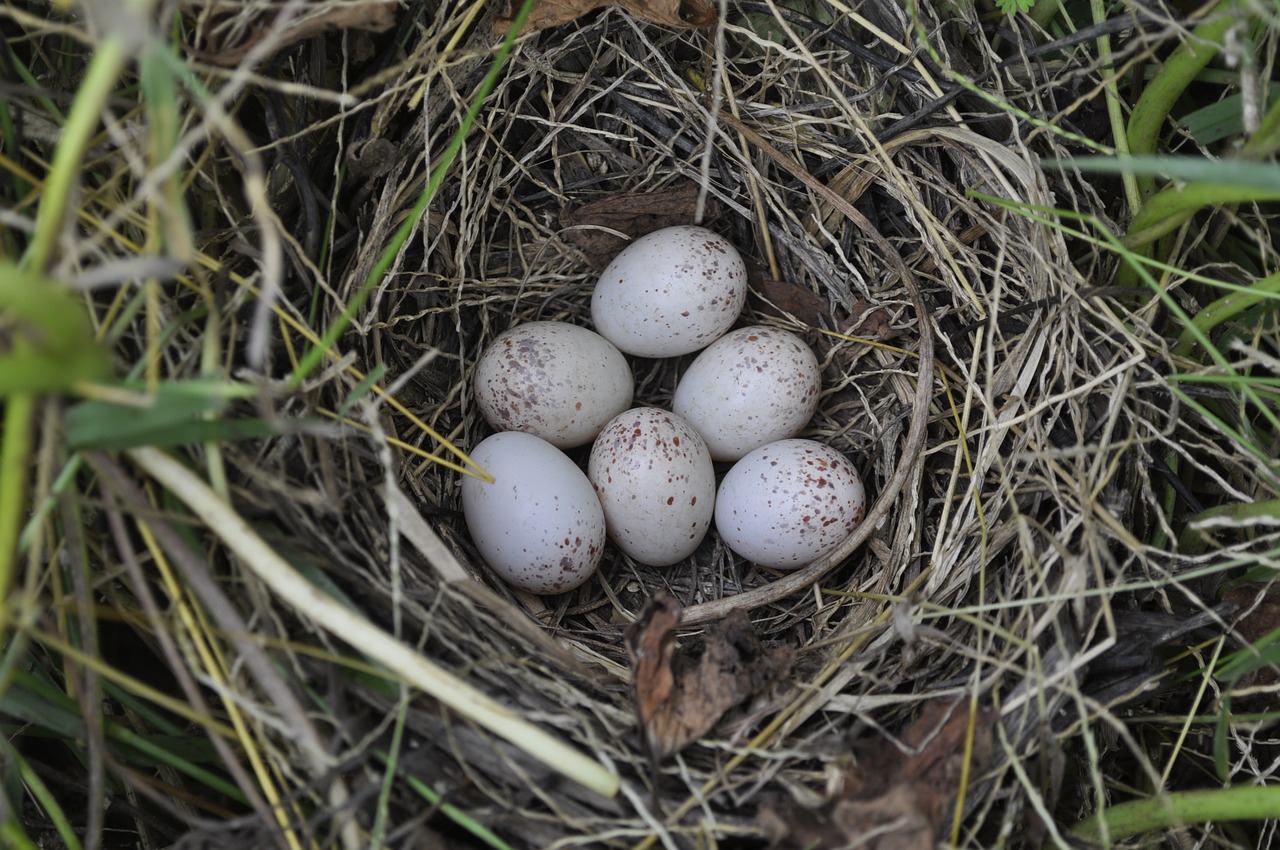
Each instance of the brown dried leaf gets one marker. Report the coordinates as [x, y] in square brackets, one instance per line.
[869, 322]
[680, 696]
[651, 641]
[784, 298]
[683, 14]
[374, 16]
[891, 802]
[632, 215]
[1261, 607]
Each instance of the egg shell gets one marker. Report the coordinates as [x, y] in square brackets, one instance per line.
[554, 380]
[657, 485]
[750, 387]
[670, 292]
[789, 503]
[539, 524]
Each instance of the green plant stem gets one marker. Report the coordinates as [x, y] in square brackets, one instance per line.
[1175, 204]
[1115, 113]
[1183, 807]
[379, 831]
[15, 454]
[82, 120]
[312, 358]
[1044, 11]
[1226, 307]
[13, 835]
[1175, 74]
[1191, 543]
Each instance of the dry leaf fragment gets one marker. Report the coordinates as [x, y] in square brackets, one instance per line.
[787, 299]
[869, 322]
[681, 695]
[632, 214]
[683, 14]
[651, 641]
[373, 16]
[890, 802]
[1261, 617]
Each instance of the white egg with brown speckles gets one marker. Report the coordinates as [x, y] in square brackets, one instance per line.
[656, 483]
[789, 503]
[670, 292]
[750, 387]
[538, 524]
[555, 380]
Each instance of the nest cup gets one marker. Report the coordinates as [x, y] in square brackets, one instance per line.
[861, 413]
[601, 129]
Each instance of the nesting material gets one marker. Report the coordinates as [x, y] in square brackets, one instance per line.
[1002, 418]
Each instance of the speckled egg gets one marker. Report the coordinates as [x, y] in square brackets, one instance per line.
[554, 380]
[655, 480]
[539, 524]
[750, 387]
[789, 503]
[670, 292]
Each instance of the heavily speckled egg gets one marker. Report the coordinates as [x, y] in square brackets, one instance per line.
[750, 387]
[670, 292]
[655, 480]
[539, 524]
[554, 380]
[789, 503]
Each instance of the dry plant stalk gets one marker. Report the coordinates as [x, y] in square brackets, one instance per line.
[357, 631]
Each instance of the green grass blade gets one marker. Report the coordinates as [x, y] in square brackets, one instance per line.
[1239, 173]
[1140, 817]
[449, 810]
[1221, 119]
[174, 418]
[42, 795]
[1176, 72]
[1227, 307]
[317, 353]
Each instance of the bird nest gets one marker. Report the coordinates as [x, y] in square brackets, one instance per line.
[881, 173]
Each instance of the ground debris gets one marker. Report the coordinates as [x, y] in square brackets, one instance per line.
[550, 13]
[891, 800]
[681, 693]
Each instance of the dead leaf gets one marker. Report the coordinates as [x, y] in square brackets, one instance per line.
[784, 299]
[370, 158]
[891, 802]
[373, 16]
[651, 641]
[868, 322]
[681, 695]
[1261, 617]
[635, 214]
[682, 14]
